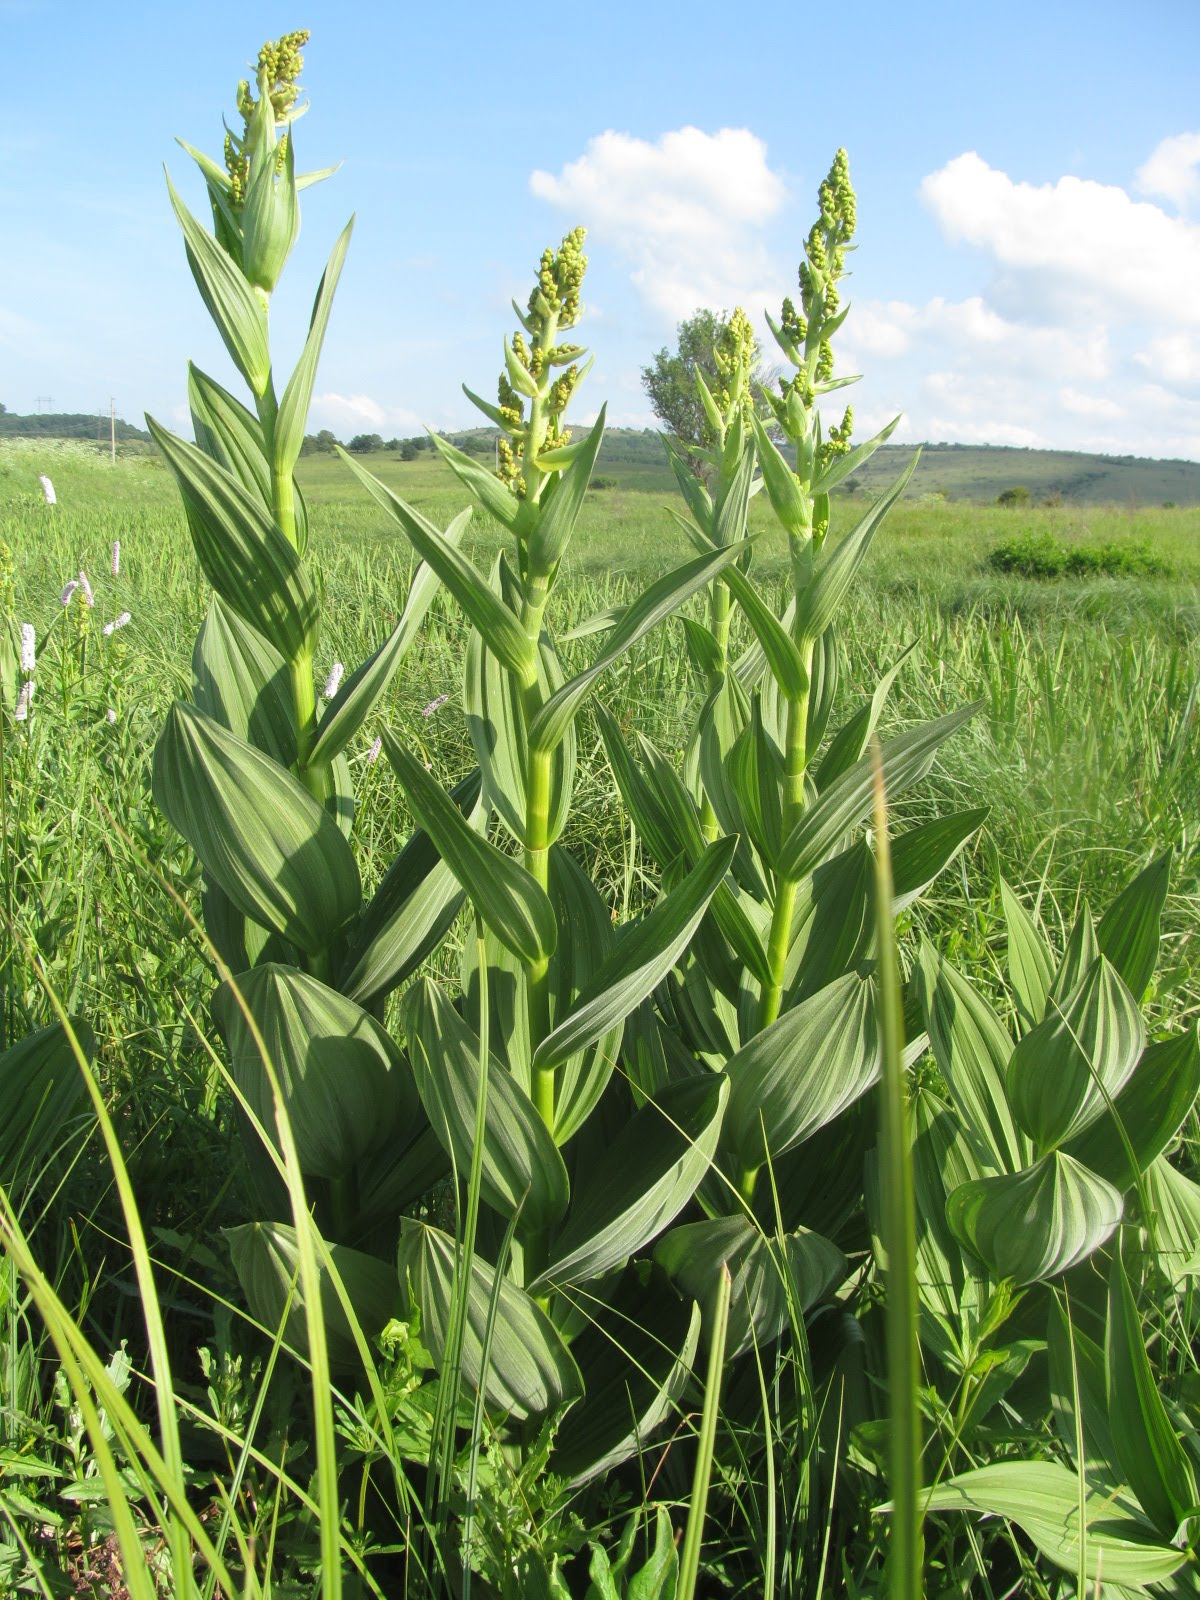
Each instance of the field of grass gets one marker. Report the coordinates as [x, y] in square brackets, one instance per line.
[1084, 749]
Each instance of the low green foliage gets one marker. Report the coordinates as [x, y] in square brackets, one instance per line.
[1041, 555]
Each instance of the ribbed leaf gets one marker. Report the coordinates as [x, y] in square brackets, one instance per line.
[521, 1164]
[496, 498]
[511, 902]
[1030, 968]
[244, 556]
[790, 503]
[502, 633]
[643, 956]
[416, 901]
[664, 1151]
[530, 1371]
[1151, 1109]
[1080, 956]
[560, 507]
[496, 720]
[259, 835]
[359, 694]
[41, 1089]
[293, 408]
[906, 759]
[1035, 1224]
[345, 1086]
[1044, 1499]
[921, 854]
[782, 656]
[840, 468]
[1078, 1393]
[266, 1258]
[769, 1286]
[1128, 932]
[242, 682]
[1153, 1460]
[1174, 1201]
[1064, 1071]
[653, 820]
[817, 604]
[972, 1049]
[230, 434]
[659, 600]
[850, 741]
[802, 1071]
[638, 1357]
[239, 315]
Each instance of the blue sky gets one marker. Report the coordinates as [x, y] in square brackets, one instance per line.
[1028, 177]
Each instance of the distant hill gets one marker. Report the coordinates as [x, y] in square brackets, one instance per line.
[67, 425]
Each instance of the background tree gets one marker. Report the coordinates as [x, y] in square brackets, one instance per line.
[670, 381]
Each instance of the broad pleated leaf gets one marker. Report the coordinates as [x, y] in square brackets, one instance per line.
[260, 836]
[1035, 1224]
[1151, 1109]
[1030, 968]
[850, 741]
[530, 1371]
[239, 315]
[1080, 956]
[511, 902]
[1174, 1201]
[638, 1355]
[1079, 1395]
[791, 504]
[1128, 932]
[494, 704]
[840, 468]
[659, 600]
[906, 759]
[1063, 1071]
[358, 696]
[942, 1161]
[1154, 1462]
[345, 1086]
[817, 604]
[502, 633]
[242, 682]
[921, 854]
[244, 556]
[416, 901]
[972, 1049]
[521, 1164]
[496, 498]
[782, 655]
[1044, 1499]
[754, 774]
[41, 1090]
[293, 408]
[560, 506]
[643, 956]
[769, 1285]
[802, 1071]
[663, 1153]
[266, 1259]
[230, 434]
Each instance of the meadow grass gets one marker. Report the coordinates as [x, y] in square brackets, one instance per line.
[1085, 747]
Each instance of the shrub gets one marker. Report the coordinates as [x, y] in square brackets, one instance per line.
[1041, 555]
[1018, 495]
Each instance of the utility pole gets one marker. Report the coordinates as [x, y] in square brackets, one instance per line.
[112, 428]
[44, 401]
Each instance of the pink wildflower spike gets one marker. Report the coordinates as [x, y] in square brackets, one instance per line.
[373, 752]
[28, 648]
[24, 700]
[116, 558]
[110, 716]
[68, 590]
[332, 681]
[86, 587]
[435, 705]
[47, 489]
[119, 622]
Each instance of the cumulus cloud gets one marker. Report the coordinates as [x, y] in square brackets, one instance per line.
[1112, 249]
[355, 412]
[686, 212]
[1173, 171]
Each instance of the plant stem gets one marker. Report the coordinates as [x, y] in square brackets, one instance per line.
[780, 939]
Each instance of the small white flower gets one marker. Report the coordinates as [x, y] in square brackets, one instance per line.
[332, 681]
[116, 558]
[373, 752]
[435, 705]
[28, 648]
[48, 489]
[24, 700]
[86, 587]
[111, 627]
[110, 715]
[68, 591]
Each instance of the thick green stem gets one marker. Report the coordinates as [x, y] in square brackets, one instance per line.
[721, 618]
[779, 942]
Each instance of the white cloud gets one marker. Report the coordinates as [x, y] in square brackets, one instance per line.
[1089, 405]
[685, 212]
[1175, 358]
[1114, 251]
[346, 412]
[1173, 170]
